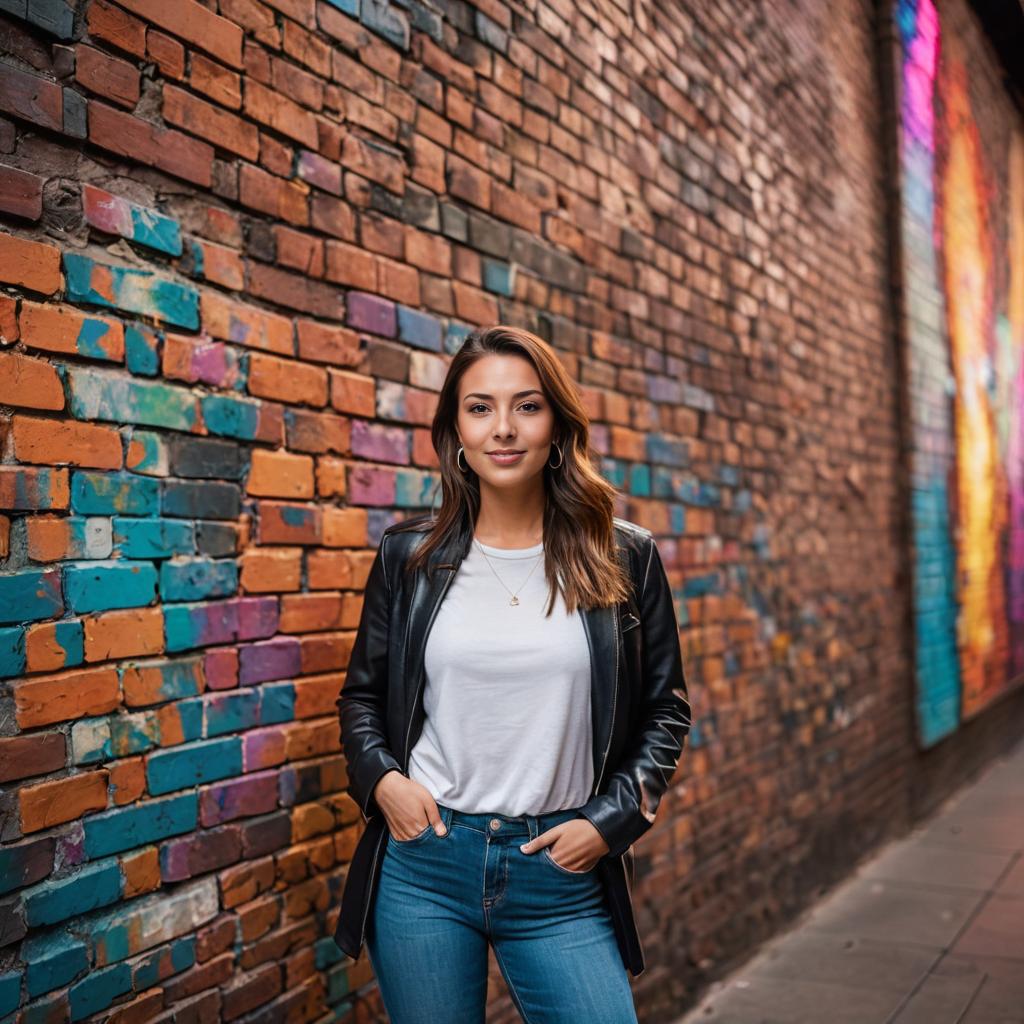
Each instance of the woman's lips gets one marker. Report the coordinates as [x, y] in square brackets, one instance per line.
[506, 460]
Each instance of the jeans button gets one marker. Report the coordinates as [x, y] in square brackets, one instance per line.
[495, 824]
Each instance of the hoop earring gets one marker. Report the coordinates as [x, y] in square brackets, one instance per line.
[457, 454]
[561, 458]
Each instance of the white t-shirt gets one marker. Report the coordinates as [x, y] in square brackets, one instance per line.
[507, 693]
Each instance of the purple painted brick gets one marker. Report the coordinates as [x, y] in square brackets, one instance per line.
[279, 658]
[368, 486]
[238, 798]
[379, 442]
[372, 313]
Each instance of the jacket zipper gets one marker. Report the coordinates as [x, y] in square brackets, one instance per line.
[406, 753]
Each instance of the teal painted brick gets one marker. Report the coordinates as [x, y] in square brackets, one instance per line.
[12, 651]
[420, 329]
[30, 594]
[98, 586]
[148, 453]
[455, 336]
[90, 740]
[231, 417]
[10, 992]
[232, 711]
[153, 538]
[326, 953]
[497, 277]
[70, 637]
[128, 827]
[192, 764]
[92, 887]
[640, 480]
[105, 395]
[197, 579]
[277, 703]
[130, 289]
[53, 959]
[142, 350]
[153, 968]
[106, 493]
[98, 990]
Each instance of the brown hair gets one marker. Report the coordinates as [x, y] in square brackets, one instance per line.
[579, 541]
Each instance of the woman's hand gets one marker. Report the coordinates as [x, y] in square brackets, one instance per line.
[408, 806]
[575, 844]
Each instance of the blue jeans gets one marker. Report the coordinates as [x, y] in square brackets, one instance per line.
[442, 899]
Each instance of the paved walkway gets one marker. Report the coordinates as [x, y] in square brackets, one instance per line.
[930, 931]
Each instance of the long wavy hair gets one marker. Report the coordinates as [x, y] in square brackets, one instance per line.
[579, 540]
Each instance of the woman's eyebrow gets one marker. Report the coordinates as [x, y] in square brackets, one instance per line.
[518, 394]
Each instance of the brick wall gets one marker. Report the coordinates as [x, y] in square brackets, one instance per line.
[239, 240]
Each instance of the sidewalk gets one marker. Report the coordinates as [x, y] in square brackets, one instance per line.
[930, 931]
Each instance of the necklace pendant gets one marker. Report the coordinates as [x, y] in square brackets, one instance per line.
[515, 600]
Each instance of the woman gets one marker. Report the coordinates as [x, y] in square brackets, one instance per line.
[513, 710]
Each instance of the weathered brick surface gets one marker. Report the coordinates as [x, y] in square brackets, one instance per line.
[239, 242]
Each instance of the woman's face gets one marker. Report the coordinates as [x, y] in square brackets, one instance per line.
[502, 407]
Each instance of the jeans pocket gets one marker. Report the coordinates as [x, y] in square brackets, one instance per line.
[415, 839]
[554, 863]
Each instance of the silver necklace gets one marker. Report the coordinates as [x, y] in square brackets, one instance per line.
[515, 600]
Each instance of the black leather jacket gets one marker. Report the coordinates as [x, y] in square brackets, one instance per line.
[640, 714]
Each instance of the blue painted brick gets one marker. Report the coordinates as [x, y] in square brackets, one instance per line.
[192, 764]
[420, 329]
[104, 494]
[29, 595]
[53, 959]
[10, 992]
[497, 277]
[196, 579]
[128, 827]
[92, 887]
[12, 651]
[153, 538]
[455, 336]
[97, 991]
[141, 350]
[348, 6]
[232, 711]
[97, 586]
[277, 703]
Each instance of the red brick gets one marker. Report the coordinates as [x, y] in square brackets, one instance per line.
[212, 123]
[28, 264]
[21, 757]
[168, 54]
[374, 162]
[31, 97]
[275, 196]
[194, 23]
[67, 695]
[468, 182]
[323, 343]
[68, 442]
[52, 803]
[280, 113]
[111, 77]
[113, 25]
[21, 194]
[353, 393]
[279, 474]
[351, 266]
[287, 380]
[215, 82]
[164, 148]
[29, 383]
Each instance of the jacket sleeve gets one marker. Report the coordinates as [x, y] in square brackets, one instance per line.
[362, 703]
[627, 807]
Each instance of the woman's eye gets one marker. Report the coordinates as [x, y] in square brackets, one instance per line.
[533, 406]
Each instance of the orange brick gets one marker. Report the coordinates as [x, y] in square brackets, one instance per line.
[168, 54]
[329, 570]
[48, 538]
[326, 343]
[124, 633]
[474, 305]
[5, 536]
[58, 329]
[9, 331]
[64, 696]
[331, 477]
[398, 281]
[141, 872]
[127, 780]
[280, 474]
[303, 613]
[287, 380]
[42, 651]
[428, 252]
[272, 195]
[271, 570]
[29, 383]
[111, 77]
[315, 696]
[245, 325]
[110, 23]
[52, 442]
[143, 684]
[312, 739]
[353, 393]
[210, 122]
[344, 527]
[28, 264]
[352, 266]
[51, 803]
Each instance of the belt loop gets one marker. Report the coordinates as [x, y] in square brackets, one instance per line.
[533, 826]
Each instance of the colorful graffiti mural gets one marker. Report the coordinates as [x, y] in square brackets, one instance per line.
[962, 233]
